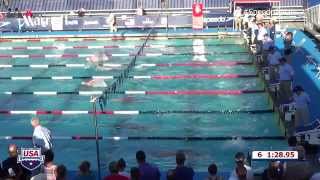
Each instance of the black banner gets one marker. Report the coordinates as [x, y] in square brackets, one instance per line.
[75, 23]
[218, 20]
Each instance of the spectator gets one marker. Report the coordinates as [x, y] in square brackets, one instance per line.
[302, 101]
[315, 176]
[122, 167]
[81, 12]
[85, 172]
[61, 173]
[273, 62]
[182, 172]
[1, 172]
[213, 171]
[9, 13]
[241, 173]
[16, 12]
[285, 78]
[20, 14]
[273, 172]
[292, 142]
[11, 169]
[48, 171]
[41, 135]
[300, 169]
[171, 175]
[241, 168]
[135, 173]
[147, 171]
[49, 166]
[113, 168]
[237, 15]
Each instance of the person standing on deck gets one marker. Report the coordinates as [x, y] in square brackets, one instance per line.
[288, 47]
[273, 63]
[262, 31]
[272, 30]
[285, 78]
[238, 18]
[41, 136]
[302, 101]
[267, 42]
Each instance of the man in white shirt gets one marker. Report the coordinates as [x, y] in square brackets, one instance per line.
[238, 18]
[262, 31]
[240, 163]
[286, 73]
[245, 18]
[273, 63]
[41, 136]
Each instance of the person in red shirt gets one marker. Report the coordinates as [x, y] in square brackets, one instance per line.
[113, 168]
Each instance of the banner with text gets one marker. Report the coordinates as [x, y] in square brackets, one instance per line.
[218, 20]
[197, 16]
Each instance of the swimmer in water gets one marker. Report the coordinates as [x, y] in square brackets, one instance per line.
[95, 83]
[199, 50]
[128, 99]
[98, 59]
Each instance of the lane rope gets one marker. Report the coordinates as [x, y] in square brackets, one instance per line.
[130, 112]
[118, 138]
[103, 47]
[35, 56]
[153, 77]
[173, 92]
[88, 39]
[113, 65]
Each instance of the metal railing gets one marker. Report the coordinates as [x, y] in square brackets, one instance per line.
[312, 17]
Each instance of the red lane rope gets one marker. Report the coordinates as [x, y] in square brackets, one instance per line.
[218, 63]
[197, 92]
[203, 76]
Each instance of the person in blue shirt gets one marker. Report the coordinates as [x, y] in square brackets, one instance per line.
[147, 171]
[182, 172]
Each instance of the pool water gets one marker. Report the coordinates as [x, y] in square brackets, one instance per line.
[161, 152]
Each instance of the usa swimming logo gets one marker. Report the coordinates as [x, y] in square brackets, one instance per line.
[30, 158]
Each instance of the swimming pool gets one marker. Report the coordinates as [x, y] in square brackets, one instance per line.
[168, 96]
